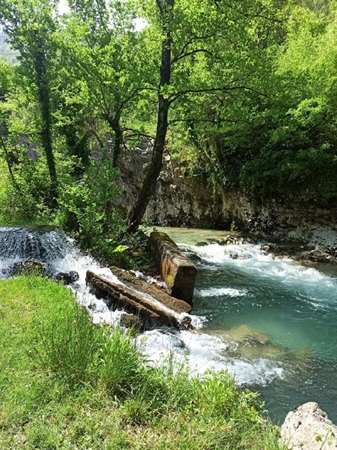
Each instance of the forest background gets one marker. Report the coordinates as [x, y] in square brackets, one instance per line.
[242, 94]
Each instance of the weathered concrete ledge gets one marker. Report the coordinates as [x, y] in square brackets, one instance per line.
[132, 281]
[151, 313]
[178, 272]
[308, 428]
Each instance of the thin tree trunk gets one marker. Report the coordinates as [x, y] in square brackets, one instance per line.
[155, 166]
[44, 100]
[118, 132]
[11, 174]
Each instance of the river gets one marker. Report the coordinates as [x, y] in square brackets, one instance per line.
[275, 315]
[269, 322]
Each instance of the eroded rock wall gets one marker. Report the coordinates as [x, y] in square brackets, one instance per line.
[178, 200]
[181, 200]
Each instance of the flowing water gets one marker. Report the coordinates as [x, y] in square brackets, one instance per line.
[271, 323]
[276, 313]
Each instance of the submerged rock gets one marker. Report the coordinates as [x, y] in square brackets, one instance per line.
[308, 428]
[131, 321]
[244, 333]
[247, 343]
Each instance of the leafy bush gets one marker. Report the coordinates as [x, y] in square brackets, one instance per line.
[87, 209]
[29, 198]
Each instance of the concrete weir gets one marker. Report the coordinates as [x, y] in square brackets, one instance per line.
[150, 304]
[178, 272]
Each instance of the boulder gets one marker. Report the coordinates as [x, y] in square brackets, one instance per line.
[29, 267]
[131, 321]
[308, 428]
[319, 254]
[178, 272]
[67, 277]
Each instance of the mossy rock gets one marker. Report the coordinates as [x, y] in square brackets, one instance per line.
[30, 267]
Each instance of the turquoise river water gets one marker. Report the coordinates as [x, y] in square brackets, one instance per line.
[278, 320]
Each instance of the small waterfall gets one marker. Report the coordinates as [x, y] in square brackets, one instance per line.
[24, 244]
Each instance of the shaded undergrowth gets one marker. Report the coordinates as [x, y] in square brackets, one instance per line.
[67, 384]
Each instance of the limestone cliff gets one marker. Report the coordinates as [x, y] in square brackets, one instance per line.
[181, 200]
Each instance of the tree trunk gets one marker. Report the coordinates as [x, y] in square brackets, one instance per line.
[44, 100]
[118, 132]
[155, 166]
[11, 174]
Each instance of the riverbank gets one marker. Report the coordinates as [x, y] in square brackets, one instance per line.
[52, 399]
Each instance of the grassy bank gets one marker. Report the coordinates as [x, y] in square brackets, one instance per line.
[66, 384]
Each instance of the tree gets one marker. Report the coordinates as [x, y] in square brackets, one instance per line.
[29, 25]
[6, 78]
[199, 43]
[100, 43]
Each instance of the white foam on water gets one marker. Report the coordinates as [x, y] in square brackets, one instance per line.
[149, 279]
[98, 309]
[219, 292]
[218, 254]
[197, 322]
[202, 353]
[5, 264]
[251, 259]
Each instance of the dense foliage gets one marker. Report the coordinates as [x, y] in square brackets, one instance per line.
[243, 93]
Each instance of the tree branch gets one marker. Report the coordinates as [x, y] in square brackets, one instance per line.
[248, 16]
[137, 133]
[190, 53]
[214, 90]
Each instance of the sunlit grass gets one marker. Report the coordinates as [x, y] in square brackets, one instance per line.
[66, 384]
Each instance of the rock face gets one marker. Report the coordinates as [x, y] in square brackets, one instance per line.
[308, 428]
[182, 200]
[178, 272]
[178, 200]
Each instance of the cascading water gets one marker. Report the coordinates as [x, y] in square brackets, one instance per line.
[60, 254]
[270, 323]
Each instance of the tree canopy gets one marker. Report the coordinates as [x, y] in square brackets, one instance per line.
[249, 87]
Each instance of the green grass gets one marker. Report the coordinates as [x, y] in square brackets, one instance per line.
[66, 384]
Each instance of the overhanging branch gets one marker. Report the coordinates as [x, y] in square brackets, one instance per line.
[190, 53]
[176, 95]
